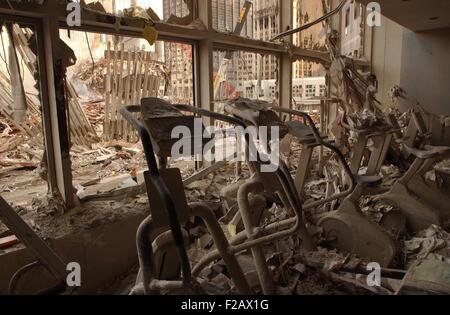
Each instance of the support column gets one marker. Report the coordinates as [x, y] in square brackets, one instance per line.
[285, 78]
[54, 112]
[204, 61]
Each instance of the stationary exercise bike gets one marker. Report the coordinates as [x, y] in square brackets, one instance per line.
[345, 228]
[422, 203]
[161, 241]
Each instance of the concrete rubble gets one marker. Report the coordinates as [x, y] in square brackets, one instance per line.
[112, 171]
[395, 163]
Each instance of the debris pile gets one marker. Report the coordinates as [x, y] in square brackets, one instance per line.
[433, 242]
[18, 153]
[92, 75]
[348, 206]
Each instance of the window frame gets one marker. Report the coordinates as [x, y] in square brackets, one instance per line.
[52, 15]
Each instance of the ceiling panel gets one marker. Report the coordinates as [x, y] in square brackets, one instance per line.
[417, 15]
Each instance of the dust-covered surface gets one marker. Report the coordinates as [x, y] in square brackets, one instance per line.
[108, 185]
[292, 272]
[43, 217]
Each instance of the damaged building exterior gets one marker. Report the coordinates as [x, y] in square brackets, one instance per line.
[224, 147]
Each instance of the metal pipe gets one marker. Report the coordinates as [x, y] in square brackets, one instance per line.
[306, 26]
[265, 278]
[18, 274]
[240, 241]
[145, 253]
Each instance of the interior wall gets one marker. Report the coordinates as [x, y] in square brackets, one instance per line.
[419, 62]
[425, 74]
[386, 57]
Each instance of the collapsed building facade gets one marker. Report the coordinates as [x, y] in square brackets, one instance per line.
[89, 174]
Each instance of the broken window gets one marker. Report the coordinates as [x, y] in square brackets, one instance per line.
[23, 171]
[257, 19]
[308, 86]
[112, 72]
[245, 74]
[304, 72]
[304, 12]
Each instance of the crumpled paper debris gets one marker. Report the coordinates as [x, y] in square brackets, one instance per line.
[433, 240]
